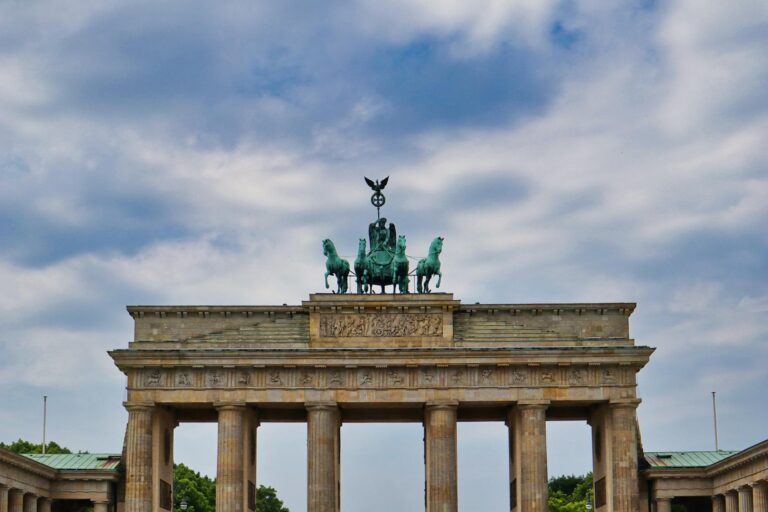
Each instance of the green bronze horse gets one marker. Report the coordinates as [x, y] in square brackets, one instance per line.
[430, 266]
[400, 266]
[336, 266]
[360, 267]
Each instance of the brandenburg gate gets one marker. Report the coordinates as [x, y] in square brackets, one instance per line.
[361, 358]
[371, 357]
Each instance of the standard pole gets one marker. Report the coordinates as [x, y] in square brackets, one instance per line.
[45, 418]
[714, 417]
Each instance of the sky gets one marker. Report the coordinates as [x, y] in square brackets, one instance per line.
[187, 152]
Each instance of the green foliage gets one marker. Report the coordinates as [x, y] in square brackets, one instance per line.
[570, 493]
[22, 446]
[198, 490]
[200, 493]
[267, 500]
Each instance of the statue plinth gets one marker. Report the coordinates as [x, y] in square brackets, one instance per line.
[386, 320]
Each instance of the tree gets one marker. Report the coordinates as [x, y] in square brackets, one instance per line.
[570, 493]
[22, 446]
[199, 491]
[267, 500]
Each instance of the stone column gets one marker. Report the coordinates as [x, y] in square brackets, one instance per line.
[718, 503]
[3, 498]
[440, 450]
[625, 487]
[138, 458]
[745, 499]
[30, 502]
[100, 506]
[323, 422]
[731, 501]
[15, 500]
[44, 505]
[663, 504]
[230, 492]
[760, 496]
[533, 456]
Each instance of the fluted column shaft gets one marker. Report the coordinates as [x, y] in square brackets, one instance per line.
[442, 479]
[229, 469]
[663, 505]
[30, 502]
[138, 459]
[745, 499]
[3, 498]
[760, 497]
[626, 490]
[323, 422]
[533, 457]
[731, 501]
[15, 500]
[44, 505]
[718, 503]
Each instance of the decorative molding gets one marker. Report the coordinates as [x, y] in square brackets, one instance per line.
[400, 376]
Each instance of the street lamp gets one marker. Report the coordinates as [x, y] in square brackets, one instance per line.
[589, 504]
[183, 505]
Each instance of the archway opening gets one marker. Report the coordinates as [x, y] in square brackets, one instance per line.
[483, 453]
[281, 462]
[382, 467]
[569, 459]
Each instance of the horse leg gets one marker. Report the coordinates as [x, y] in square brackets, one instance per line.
[439, 279]
[419, 287]
[426, 283]
[326, 279]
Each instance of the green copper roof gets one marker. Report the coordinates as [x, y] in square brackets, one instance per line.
[669, 460]
[78, 461]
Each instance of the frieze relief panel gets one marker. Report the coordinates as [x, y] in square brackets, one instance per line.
[384, 376]
[381, 325]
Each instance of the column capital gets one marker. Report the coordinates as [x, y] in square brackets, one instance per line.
[321, 405]
[441, 404]
[229, 406]
[138, 406]
[760, 484]
[532, 404]
[625, 402]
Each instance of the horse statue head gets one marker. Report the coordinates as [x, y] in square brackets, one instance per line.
[436, 247]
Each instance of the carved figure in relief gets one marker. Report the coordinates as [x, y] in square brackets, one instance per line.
[577, 376]
[365, 378]
[244, 378]
[609, 376]
[306, 377]
[485, 375]
[183, 379]
[335, 377]
[153, 378]
[428, 376]
[214, 378]
[547, 376]
[457, 377]
[394, 376]
[435, 325]
[518, 376]
[274, 377]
